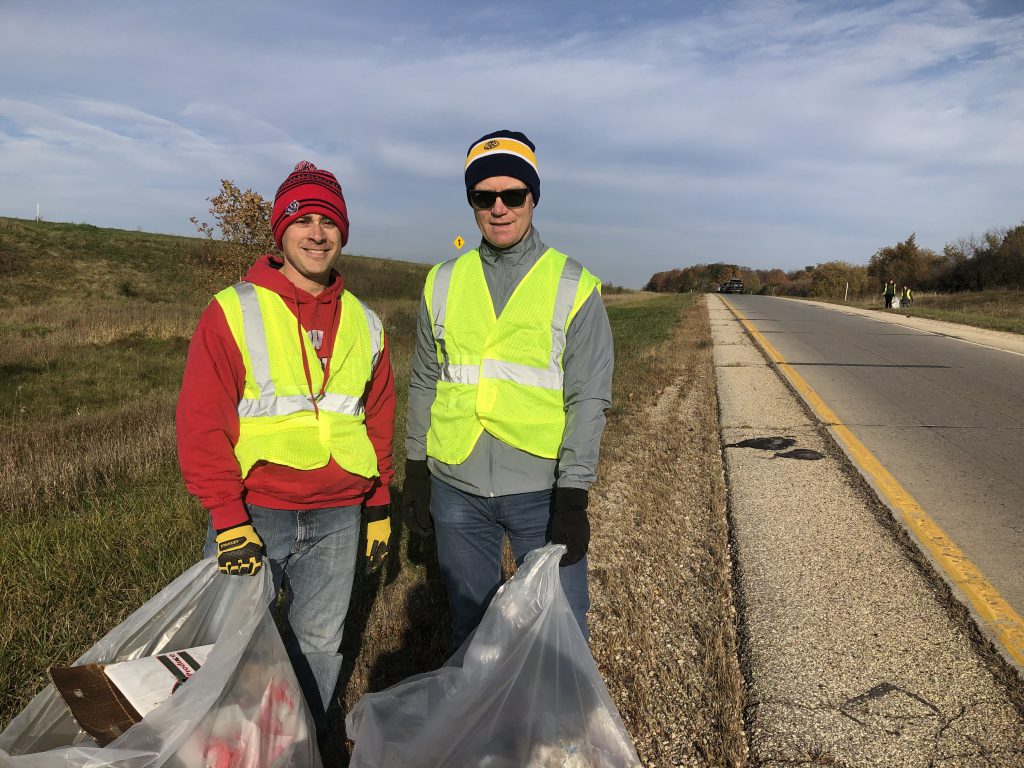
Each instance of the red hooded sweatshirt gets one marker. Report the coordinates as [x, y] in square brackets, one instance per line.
[207, 415]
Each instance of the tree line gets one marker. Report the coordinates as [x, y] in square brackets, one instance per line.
[992, 262]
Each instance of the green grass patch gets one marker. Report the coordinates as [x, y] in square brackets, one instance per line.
[24, 330]
[975, 319]
[96, 377]
[80, 571]
[637, 330]
[995, 310]
[52, 262]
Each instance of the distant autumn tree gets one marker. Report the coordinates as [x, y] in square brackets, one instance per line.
[992, 263]
[699, 277]
[833, 278]
[907, 263]
[664, 282]
[751, 280]
[773, 280]
[242, 220]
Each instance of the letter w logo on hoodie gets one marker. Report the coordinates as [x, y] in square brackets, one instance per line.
[316, 338]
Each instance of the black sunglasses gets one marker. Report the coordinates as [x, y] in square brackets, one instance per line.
[484, 199]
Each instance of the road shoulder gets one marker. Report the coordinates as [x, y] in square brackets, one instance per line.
[851, 654]
[1008, 342]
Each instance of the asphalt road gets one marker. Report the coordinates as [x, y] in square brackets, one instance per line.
[945, 417]
[852, 650]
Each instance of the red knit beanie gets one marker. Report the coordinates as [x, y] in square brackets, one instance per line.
[308, 190]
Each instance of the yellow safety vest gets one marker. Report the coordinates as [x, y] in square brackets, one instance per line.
[503, 374]
[277, 420]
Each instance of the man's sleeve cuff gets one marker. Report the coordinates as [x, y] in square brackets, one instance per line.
[229, 515]
[380, 497]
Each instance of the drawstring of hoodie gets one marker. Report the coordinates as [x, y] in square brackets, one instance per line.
[328, 338]
[305, 358]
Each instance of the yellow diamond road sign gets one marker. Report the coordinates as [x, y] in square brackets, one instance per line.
[459, 242]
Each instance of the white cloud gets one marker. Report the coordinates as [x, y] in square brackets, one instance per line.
[766, 133]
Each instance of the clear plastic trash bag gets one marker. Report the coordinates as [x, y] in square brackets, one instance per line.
[242, 709]
[523, 691]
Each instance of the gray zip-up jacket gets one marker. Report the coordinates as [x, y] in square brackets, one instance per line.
[495, 468]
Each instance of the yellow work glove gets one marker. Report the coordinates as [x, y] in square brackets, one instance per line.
[239, 550]
[378, 534]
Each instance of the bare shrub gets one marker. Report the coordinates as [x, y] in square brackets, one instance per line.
[243, 221]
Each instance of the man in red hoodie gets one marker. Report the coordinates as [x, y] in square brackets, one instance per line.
[285, 423]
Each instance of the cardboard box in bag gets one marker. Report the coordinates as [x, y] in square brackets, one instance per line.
[108, 699]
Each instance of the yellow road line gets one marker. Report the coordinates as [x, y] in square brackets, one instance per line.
[1002, 619]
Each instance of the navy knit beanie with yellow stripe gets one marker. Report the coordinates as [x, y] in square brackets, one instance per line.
[503, 153]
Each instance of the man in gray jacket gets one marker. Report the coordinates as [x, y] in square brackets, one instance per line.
[511, 377]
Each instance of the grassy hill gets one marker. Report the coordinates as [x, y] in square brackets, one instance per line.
[45, 261]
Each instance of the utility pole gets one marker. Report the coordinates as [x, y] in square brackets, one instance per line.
[37, 211]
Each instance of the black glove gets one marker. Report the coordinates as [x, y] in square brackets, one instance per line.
[239, 550]
[416, 497]
[378, 534]
[570, 525]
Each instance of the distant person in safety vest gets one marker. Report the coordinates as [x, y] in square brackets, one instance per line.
[285, 422]
[511, 377]
[889, 292]
[906, 296]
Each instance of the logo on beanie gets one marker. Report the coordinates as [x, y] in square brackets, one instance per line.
[292, 209]
[492, 144]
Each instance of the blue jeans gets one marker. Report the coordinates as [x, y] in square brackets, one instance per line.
[470, 531]
[316, 551]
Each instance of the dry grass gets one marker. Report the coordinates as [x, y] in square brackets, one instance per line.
[59, 461]
[40, 333]
[89, 392]
[92, 506]
[663, 620]
[628, 297]
[995, 310]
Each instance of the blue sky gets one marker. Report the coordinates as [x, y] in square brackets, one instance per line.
[768, 134]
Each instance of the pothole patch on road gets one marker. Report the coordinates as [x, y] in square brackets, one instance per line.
[804, 454]
[776, 443]
[764, 443]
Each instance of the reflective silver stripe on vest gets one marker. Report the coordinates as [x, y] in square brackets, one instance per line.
[546, 378]
[460, 374]
[439, 310]
[255, 338]
[376, 335]
[567, 285]
[346, 405]
[269, 404]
